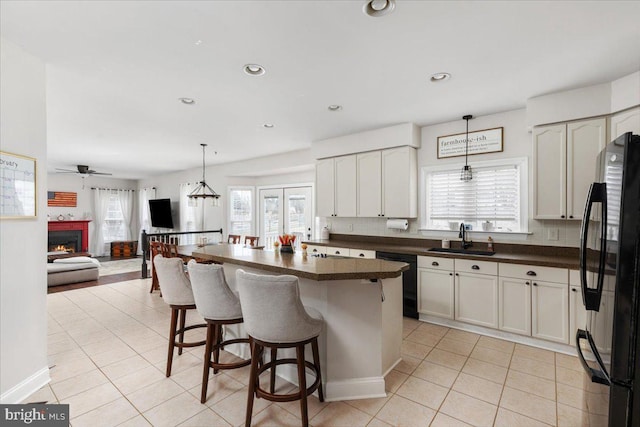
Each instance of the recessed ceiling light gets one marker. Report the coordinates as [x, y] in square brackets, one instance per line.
[378, 8]
[440, 77]
[334, 107]
[254, 69]
[187, 101]
[198, 42]
[268, 125]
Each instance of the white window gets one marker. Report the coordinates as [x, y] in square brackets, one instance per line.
[241, 211]
[495, 199]
[113, 228]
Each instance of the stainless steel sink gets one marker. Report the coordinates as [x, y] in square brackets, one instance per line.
[462, 251]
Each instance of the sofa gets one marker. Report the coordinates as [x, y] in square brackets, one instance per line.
[64, 271]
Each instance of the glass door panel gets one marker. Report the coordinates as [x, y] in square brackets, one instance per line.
[271, 223]
[298, 219]
[285, 211]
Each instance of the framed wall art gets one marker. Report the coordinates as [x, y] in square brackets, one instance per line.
[18, 190]
[480, 142]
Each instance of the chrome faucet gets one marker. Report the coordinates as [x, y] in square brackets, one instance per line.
[463, 236]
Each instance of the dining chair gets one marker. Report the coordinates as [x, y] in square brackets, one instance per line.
[233, 238]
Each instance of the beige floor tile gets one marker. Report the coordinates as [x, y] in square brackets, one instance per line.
[423, 337]
[78, 384]
[156, 355]
[91, 399]
[469, 409]
[447, 359]
[433, 329]
[568, 362]
[138, 379]
[138, 421]
[45, 394]
[485, 370]
[61, 347]
[206, 418]
[478, 387]
[154, 394]
[314, 406]
[408, 364]
[442, 420]
[191, 377]
[534, 353]
[233, 407]
[176, 410]
[506, 418]
[113, 356]
[125, 366]
[219, 387]
[490, 355]
[275, 416]
[454, 346]
[107, 343]
[529, 405]
[468, 337]
[533, 367]
[569, 377]
[338, 414]
[409, 323]
[394, 380]
[570, 417]
[436, 374]
[423, 392]
[369, 406]
[241, 375]
[496, 344]
[399, 411]
[531, 384]
[113, 413]
[180, 363]
[571, 396]
[377, 423]
[63, 371]
[415, 350]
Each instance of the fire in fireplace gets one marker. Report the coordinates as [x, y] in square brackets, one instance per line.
[67, 240]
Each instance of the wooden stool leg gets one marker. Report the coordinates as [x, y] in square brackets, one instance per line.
[216, 352]
[255, 354]
[172, 339]
[316, 361]
[302, 385]
[183, 315]
[207, 362]
[274, 356]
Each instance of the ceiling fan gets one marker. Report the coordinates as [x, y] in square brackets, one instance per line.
[81, 170]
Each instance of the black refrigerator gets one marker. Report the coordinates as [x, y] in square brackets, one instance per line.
[609, 343]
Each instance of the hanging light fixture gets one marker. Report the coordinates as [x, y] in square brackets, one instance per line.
[465, 173]
[203, 191]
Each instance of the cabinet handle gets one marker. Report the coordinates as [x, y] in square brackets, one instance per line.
[435, 264]
[531, 273]
[457, 274]
[561, 216]
[475, 267]
[573, 290]
[315, 250]
[362, 255]
[535, 284]
[450, 274]
[526, 283]
[571, 216]
[337, 252]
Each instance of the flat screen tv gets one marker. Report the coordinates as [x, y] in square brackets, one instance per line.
[160, 210]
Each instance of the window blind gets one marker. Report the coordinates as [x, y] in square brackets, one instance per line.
[492, 195]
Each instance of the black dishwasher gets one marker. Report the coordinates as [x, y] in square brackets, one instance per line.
[409, 281]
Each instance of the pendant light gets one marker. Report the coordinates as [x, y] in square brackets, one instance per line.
[465, 173]
[203, 191]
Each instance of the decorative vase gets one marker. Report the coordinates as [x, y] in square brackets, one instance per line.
[286, 249]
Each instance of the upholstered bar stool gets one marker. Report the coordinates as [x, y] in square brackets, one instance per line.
[176, 291]
[219, 306]
[274, 318]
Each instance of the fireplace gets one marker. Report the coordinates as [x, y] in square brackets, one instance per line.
[71, 236]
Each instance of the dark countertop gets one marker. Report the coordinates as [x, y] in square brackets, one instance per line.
[297, 264]
[545, 256]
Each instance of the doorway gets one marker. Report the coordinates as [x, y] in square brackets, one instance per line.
[287, 210]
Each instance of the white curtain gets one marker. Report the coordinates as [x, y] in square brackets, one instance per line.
[191, 217]
[100, 203]
[144, 195]
[127, 200]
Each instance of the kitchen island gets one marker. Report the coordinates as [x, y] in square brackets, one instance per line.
[360, 300]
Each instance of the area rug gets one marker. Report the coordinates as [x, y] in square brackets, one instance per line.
[108, 268]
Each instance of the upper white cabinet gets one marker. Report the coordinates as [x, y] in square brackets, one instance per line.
[625, 121]
[369, 184]
[400, 182]
[564, 158]
[336, 186]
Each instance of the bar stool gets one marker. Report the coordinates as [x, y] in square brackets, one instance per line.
[233, 239]
[176, 291]
[219, 306]
[274, 317]
[155, 248]
[251, 240]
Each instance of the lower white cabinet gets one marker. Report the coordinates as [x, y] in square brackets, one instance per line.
[316, 250]
[435, 292]
[476, 294]
[362, 253]
[514, 305]
[550, 311]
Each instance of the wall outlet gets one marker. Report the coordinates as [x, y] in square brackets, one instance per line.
[553, 234]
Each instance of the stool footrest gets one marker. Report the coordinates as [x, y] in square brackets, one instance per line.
[292, 396]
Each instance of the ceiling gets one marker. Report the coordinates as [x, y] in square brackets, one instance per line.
[116, 69]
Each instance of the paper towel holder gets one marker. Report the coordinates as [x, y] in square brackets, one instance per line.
[397, 224]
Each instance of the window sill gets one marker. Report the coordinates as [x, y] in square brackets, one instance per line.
[432, 231]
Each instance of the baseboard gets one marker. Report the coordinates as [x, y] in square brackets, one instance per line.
[26, 388]
[362, 388]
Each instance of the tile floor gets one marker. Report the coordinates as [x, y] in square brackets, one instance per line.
[108, 348]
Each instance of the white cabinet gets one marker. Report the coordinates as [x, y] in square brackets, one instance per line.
[625, 121]
[387, 183]
[514, 305]
[316, 250]
[564, 159]
[362, 253]
[577, 311]
[476, 292]
[336, 186]
[550, 311]
[331, 250]
[436, 286]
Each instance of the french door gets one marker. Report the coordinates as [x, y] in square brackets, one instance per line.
[285, 211]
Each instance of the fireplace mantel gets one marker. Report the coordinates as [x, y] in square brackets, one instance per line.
[81, 224]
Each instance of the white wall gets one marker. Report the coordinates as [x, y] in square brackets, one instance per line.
[23, 276]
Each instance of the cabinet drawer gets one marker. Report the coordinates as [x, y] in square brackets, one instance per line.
[313, 249]
[362, 253]
[435, 263]
[332, 250]
[479, 267]
[547, 274]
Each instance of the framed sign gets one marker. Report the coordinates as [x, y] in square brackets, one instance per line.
[480, 142]
[18, 190]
